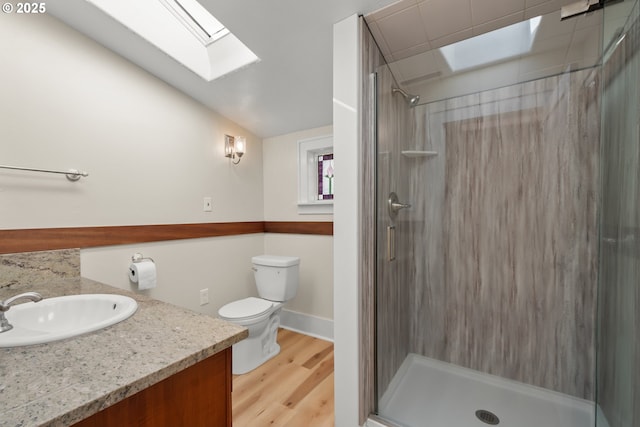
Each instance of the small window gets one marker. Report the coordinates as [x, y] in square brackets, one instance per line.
[315, 176]
[325, 176]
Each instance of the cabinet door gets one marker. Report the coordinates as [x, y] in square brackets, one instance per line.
[197, 396]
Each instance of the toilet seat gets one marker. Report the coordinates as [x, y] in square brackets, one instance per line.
[246, 309]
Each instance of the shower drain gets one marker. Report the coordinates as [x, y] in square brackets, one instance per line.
[487, 417]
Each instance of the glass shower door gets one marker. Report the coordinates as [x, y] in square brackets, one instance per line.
[393, 261]
[618, 358]
[486, 284]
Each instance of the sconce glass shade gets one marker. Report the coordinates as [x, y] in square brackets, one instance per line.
[240, 145]
[228, 146]
[234, 147]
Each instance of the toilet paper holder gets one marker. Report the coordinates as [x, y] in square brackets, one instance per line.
[137, 257]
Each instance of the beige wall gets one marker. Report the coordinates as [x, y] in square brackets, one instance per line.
[280, 157]
[315, 292]
[280, 167]
[184, 267]
[152, 154]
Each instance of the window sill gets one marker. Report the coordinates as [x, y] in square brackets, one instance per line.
[318, 208]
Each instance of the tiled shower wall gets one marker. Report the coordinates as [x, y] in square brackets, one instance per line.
[503, 231]
[619, 294]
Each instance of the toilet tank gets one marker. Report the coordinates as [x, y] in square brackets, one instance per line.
[276, 276]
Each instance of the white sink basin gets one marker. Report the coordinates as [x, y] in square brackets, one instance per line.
[57, 318]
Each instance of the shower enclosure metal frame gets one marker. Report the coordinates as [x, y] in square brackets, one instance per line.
[370, 61]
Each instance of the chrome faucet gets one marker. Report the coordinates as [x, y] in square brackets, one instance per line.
[6, 305]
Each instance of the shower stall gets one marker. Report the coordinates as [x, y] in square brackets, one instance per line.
[506, 204]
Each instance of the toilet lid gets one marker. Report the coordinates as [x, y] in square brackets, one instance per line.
[248, 307]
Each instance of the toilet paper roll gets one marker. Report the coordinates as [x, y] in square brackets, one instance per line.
[143, 273]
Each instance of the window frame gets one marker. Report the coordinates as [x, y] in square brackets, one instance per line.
[308, 152]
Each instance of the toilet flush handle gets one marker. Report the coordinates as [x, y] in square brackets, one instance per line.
[254, 269]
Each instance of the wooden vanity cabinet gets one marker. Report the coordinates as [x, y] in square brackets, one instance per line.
[197, 396]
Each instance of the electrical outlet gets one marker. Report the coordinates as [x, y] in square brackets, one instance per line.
[204, 296]
[206, 204]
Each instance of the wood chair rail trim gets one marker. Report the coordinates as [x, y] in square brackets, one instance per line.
[43, 239]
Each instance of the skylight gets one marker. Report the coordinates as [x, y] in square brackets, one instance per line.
[492, 47]
[204, 26]
[184, 30]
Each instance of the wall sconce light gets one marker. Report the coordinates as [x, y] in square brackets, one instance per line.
[234, 146]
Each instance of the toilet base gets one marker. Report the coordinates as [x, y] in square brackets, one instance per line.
[253, 351]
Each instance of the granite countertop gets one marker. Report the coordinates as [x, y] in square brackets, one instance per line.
[60, 383]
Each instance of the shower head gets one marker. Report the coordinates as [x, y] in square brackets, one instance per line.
[412, 100]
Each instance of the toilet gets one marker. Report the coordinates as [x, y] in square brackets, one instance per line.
[277, 282]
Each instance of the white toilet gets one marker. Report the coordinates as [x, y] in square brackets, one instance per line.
[277, 281]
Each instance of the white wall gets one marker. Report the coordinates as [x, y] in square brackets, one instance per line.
[346, 220]
[280, 166]
[152, 153]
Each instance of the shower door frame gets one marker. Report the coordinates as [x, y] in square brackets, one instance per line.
[370, 59]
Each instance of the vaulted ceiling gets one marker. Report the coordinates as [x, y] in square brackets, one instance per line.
[290, 88]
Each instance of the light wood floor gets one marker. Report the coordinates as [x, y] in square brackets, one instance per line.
[294, 389]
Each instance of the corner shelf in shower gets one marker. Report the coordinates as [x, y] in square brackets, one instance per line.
[415, 153]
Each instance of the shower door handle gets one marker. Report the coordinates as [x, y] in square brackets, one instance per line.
[391, 243]
[395, 205]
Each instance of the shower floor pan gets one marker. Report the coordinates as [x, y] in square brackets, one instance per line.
[430, 393]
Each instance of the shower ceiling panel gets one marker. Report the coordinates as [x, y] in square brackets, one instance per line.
[410, 27]
[420, 55]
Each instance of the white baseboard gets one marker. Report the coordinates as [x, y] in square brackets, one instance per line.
[307, 324]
